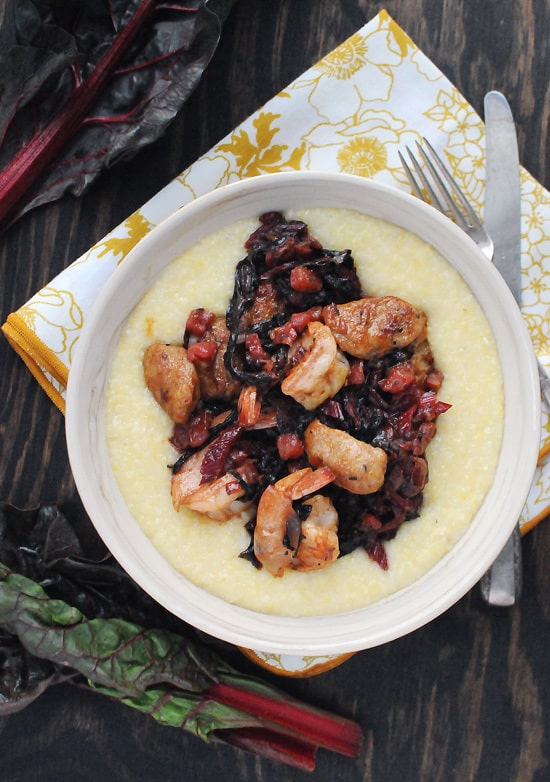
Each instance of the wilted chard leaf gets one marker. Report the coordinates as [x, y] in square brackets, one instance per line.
[83, 85]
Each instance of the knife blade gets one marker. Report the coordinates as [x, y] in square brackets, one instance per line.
[501, 585]
[502, 211]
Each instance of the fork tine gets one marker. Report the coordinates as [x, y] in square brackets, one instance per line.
[450, 203]
[424, 181]
[414, 184]
[439, 188]
[442, 199]
[466, 205]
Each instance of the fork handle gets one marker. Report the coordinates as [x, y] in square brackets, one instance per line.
[501, 585]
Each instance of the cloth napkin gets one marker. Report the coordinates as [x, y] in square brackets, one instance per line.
[351, 111]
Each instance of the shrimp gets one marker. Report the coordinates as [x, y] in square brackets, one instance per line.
[357, 466]
[373, 326]
[275, 518]
[319, 544]
[172, 379]
[219, 499]
[249, 406]
[321, 373]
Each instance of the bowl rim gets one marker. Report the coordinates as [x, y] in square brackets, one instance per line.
[398, 613]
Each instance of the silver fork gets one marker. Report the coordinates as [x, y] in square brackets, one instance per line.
[443, 192]
[501, 585]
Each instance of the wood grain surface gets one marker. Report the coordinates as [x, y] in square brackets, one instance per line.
[465, 698]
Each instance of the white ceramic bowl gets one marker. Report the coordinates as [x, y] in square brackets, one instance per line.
[401, 612]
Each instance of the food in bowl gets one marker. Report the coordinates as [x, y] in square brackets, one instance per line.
[462, 456]
[308, 405]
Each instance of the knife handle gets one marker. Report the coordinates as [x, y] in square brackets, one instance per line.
[501, 585]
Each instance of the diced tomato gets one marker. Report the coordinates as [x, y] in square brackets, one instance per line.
[290, 446]
[398, 378]
[254, 348]
[434, 380]
[304, 280]
[356, 375]
[202, 351]
[370, 522]
[285, 334]
[300, 320]
[198, 321]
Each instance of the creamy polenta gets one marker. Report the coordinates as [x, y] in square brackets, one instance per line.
[462, 457]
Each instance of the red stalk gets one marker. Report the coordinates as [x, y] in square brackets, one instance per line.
[34, 157]
[285, 749]
[310, 726]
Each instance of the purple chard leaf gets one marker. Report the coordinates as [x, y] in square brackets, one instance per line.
[83, 85]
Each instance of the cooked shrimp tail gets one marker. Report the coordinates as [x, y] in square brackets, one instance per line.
[319, 545]
[249, 406]
[276, 516]
[299, 484]
[220, 499]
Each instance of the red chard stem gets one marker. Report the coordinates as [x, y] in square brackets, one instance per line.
[312, 725]
[271, 745]
[32, 160]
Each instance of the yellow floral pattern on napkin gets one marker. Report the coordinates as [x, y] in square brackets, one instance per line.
[136, 226]
[43, 312]
[352, 111]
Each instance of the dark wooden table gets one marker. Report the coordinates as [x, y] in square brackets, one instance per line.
[465, 698]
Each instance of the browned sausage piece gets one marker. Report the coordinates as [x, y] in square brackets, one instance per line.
[374, 326]
[172, 379]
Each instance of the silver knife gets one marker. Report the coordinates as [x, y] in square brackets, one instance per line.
[501, 585]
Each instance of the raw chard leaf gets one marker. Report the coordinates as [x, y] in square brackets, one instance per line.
[41, 544]
[83, 85]
[178, 681]
[157, 665]
[24, 677]
[111, 652]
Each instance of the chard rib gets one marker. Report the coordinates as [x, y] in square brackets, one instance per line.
[33, 159]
